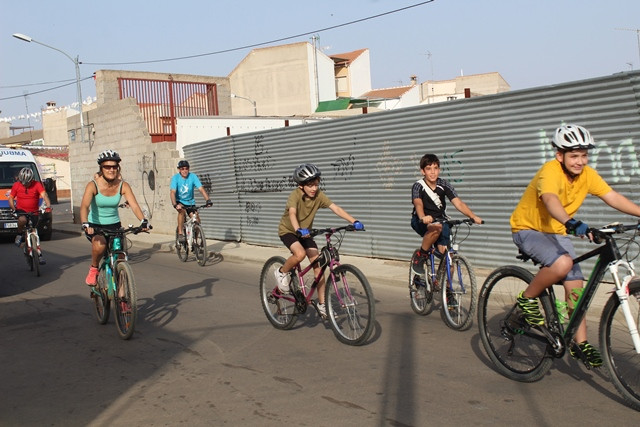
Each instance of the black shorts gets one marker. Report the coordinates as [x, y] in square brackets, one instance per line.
[115, 226]
[290, 238]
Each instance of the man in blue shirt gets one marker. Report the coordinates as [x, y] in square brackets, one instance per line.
[182, 195]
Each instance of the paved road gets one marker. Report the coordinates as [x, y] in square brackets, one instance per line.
[204, 354]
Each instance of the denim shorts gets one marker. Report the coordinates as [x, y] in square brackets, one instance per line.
[421, 228]
[546, 248]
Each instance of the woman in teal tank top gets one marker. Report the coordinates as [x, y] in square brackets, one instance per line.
[99, 206]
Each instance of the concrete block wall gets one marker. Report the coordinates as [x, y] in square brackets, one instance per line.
[147, 167]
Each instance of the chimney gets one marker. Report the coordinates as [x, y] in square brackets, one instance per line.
[414, 80]
[467, 92]
[51, 104]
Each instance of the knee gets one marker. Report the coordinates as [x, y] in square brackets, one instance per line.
[299, 256]
[563, 265]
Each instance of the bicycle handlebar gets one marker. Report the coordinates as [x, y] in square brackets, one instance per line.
[467, 221]
[121, 231]
[608, 230]
[331, 230]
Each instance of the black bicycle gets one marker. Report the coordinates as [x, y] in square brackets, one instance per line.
[523, 352]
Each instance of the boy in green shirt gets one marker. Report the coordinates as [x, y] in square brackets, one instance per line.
[301, 208]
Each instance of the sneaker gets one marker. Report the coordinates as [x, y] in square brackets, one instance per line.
[530, 309]
[452, 302]
[417, 262]
[283, 280]
[92, 277]
[322, 310]
[41, 260]
[182, 239]
[586, 352]
[18, 240]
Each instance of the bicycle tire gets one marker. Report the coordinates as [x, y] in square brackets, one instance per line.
[515, 353]
[35, 256]
[199, 244]
[420, 288]
[350, 305]
[281, 312]
[182, 249]
[618, 351]
[101, 299]
[126, 306]
[458, 297]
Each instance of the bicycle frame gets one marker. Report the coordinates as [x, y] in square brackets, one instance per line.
[333, 262]
[609, 258]
[112, 256]
[452, 248]
[31, 229]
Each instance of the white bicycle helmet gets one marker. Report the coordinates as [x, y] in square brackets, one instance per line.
[108, 155]
[306, 172]
[25, 176]
[572, 137]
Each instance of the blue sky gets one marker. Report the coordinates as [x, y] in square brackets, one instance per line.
[530, 43]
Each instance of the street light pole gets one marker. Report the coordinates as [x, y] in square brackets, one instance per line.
[77, 65]
[255, 109]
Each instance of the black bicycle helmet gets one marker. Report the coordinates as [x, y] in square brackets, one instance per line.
[306, 172]
[108, 155]
[183, 164]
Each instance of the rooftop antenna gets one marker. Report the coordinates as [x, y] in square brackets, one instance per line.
[430, 63]
[637, 31]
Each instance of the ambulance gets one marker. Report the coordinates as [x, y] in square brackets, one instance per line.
[11, 162]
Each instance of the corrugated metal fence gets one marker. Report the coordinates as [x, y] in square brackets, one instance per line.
[489, 147]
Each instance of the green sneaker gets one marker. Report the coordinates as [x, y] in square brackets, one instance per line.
[530, 309]
[586, 352]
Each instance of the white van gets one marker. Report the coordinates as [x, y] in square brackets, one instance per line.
[11, 162]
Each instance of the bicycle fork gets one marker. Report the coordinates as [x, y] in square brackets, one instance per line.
[622, 291]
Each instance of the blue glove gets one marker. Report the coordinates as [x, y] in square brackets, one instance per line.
[358, 225]
[577, 228]
[304, 232]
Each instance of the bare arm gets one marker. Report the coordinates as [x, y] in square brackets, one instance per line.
[341, 213]
[87, 197]
[621, 203]
[127, 192]
[293, 217]
[465, 210]
[204, 193]
[554, 207]
[45, 196]
[12, 203]
[425, 219]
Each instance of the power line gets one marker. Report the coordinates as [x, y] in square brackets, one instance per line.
[45, 90]
[37, 84]
[263, 43]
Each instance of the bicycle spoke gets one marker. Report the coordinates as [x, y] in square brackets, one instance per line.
[350, 305]
[458, 292]
[515, 352]
[126, 303]
[279, 309]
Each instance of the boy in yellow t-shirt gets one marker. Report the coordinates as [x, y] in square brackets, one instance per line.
[544, 216]
[302, 205]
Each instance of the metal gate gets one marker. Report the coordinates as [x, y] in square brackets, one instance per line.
[161, 101]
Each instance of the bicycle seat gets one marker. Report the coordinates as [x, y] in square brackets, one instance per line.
[526, 257]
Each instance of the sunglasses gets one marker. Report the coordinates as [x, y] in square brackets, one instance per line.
[110, 167]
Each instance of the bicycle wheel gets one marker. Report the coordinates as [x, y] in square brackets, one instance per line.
[199, 244]
[350, 305]
[618, 351]
[459, 294]
[125, 300]
[420, 289]
[181, 249]
[35, 256]
[280, 309]
[517, 351]
[100, 298]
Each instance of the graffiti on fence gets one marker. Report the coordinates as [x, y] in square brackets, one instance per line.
[148, 169]
[343, 167]
[388, 167]
[252, 210]
[207, 182]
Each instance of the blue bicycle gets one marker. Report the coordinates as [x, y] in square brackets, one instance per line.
[453, 279]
